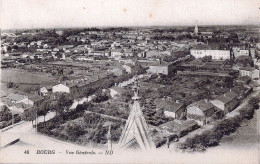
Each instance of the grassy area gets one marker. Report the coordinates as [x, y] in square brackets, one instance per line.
[24, 81]
[24, 77]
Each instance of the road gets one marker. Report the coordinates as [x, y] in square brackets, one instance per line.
[21, 129]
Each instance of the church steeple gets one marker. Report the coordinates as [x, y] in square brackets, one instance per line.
[196, 29]
[136, 133]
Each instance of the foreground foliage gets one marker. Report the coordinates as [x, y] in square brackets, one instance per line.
[223, 127]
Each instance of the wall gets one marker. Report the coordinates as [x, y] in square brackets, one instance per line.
[170, 114]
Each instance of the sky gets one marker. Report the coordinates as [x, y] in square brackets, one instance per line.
[17, 14]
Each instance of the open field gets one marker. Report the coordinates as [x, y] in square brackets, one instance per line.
[24, 77]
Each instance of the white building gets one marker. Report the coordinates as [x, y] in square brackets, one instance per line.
[116, 91]
[60, 88]
[249, 71]
[127, 68]
[240, 52]
[204, 50]
[116, 52]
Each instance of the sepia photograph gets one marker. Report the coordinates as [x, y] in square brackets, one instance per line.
[139, 81]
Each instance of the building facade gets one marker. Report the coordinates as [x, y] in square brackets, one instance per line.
[200, 111]
[215, 54]
[226, 102]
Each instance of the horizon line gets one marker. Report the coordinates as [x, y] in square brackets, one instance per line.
[148, 26]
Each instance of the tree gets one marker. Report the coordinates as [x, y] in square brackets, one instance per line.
[44, 109]
[207, 59]
[65, 101]
[10, 85]
[101, 97]
[5, 114]
[254, 101]
[75, 130]
[29, 115]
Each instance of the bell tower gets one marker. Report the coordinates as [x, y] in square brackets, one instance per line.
[196, 29]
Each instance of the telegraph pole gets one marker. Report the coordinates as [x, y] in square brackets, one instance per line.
[36, 121]
[12, 119]
[109, 142]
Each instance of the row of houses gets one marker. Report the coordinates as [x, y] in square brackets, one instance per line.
[74, 86]
[200, 111]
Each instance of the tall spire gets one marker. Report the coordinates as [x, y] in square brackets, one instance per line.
[196, 29]
[135, 133]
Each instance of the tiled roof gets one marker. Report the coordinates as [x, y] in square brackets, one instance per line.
[247, 69]
[35, 98]
[15, 97]
[202, 47]
[170, 106]
[203, 105]
[227, 97]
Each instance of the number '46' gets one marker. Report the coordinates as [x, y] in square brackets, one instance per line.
[26, 151]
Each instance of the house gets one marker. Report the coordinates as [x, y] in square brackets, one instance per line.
[128, 52]
[116, 91]
[177, 128]
[116, 53]
[171, 108]
[240, 52]
[61, 88]
[163, 68]
[202, 50]
[55, 50]
[17, 98]
[118, 71]
[45, 90]
[249, 71]
[33, 100]
[226, 102]
[18, 108]
[127, 68]
[244, 80]
[200, 111]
